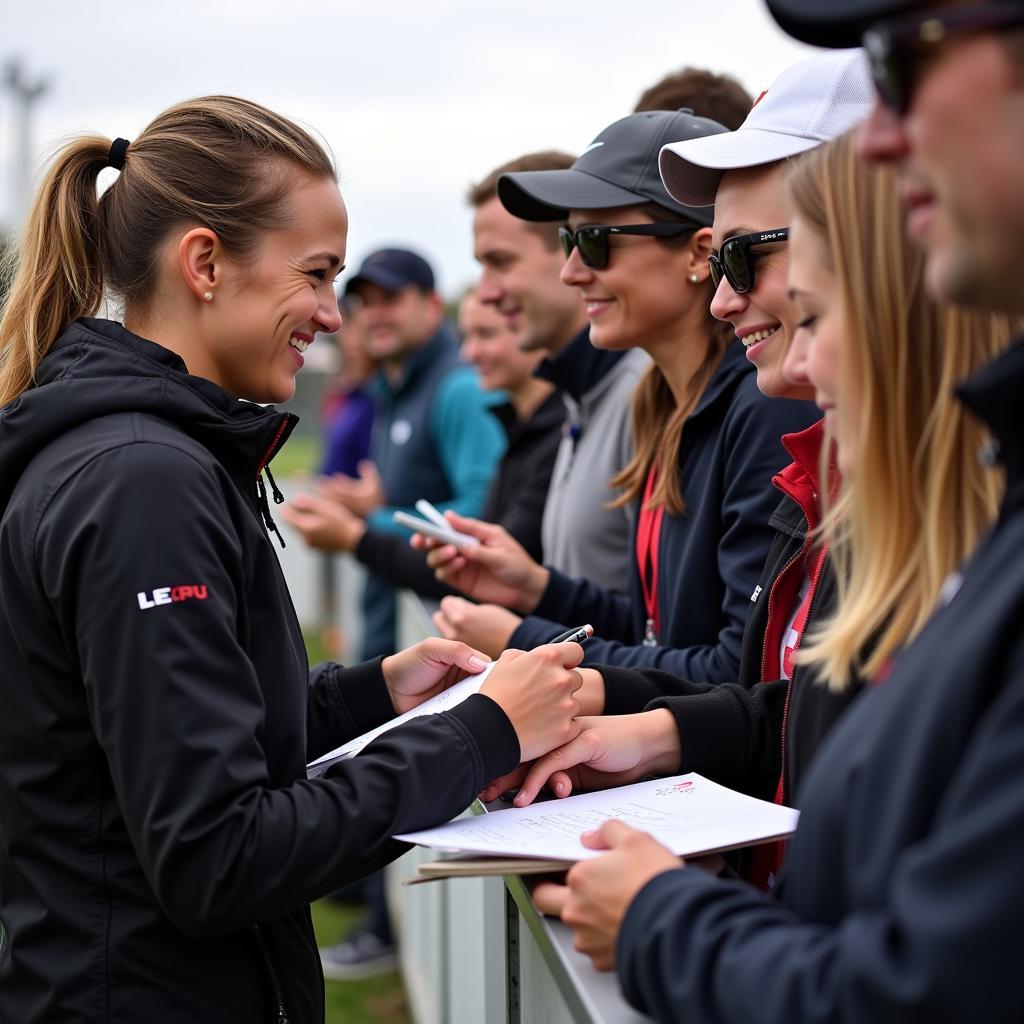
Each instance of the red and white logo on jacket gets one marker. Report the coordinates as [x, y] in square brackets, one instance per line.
[172, 595]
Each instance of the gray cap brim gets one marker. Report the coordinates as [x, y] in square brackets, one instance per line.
[692, 170]
[550, 195]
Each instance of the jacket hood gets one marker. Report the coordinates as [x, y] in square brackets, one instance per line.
[96, 368]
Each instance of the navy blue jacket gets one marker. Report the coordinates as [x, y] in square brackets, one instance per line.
[433, 438]
[901, 899]
[710, 557]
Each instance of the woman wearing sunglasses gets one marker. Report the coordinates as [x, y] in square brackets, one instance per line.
[881, 899]
[756, 738]
[707, 441]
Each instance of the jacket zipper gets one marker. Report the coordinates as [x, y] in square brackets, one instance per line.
[275, 982]
[789, 689]
[271, 451]
[771, 593]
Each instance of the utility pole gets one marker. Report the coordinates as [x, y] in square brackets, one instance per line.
[25, 94]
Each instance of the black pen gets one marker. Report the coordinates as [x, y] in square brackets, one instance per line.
[578, 635]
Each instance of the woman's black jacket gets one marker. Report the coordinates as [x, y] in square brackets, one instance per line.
[159, 839]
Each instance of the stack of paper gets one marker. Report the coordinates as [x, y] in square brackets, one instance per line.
[442, 702]
[689, 814]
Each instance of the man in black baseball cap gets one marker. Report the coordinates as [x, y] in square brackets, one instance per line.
[393, 269]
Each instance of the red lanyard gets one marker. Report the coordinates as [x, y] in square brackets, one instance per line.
[648, 533]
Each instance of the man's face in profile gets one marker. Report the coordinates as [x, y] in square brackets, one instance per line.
[960, 147]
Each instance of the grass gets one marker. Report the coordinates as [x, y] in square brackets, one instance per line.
[299, 457]
[378, 1000]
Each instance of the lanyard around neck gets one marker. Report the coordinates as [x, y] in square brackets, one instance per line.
[648, 534]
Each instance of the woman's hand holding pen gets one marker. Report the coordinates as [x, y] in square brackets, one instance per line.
[536, 690]
[497, 570]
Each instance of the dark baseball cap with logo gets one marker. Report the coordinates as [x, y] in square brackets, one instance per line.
[619, 168]
[393, 270]
[835, 23]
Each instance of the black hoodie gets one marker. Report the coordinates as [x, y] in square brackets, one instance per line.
[160, 840]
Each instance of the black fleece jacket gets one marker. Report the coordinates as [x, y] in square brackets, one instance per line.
[159, 839]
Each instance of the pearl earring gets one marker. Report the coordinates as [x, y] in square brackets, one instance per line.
[694, 278]
[208, 296]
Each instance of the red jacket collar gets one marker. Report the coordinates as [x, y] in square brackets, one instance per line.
[800, 480]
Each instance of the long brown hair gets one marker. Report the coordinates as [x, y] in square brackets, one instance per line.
[919, 498]
[218, 160]
[657, 420]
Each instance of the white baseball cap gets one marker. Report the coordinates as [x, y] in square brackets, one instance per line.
[811, 102]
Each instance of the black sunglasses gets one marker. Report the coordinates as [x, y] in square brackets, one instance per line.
[899, 49]
[592, 239]
[734, 261]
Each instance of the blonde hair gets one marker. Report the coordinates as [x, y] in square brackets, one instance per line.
[217, 160]
[919, 498]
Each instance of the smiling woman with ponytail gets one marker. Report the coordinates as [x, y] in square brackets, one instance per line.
[159, 838]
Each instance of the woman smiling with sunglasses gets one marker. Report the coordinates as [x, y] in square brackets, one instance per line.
[707, 441]
[758, 733]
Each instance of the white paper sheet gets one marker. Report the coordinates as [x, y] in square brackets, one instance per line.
[687, 813]
[442, 702]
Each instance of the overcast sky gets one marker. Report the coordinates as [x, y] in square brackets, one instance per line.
[416, 98]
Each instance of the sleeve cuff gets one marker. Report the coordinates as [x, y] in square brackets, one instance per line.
[364, 694]
[626, 692]
[534, 631]
[557, 596]
[713, 739]
[493, 732]
[632, 950]
[374, 547]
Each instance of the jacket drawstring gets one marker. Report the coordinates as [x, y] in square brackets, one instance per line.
[278, 496]
[261, 494]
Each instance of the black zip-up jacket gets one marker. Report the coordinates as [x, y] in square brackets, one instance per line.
[515, 499]
[159, 839]
[750, 735]
[709, 557]
[901, 899]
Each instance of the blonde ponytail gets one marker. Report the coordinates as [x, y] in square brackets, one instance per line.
[58, 275]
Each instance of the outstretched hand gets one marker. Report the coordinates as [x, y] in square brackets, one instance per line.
[610, 750]
[324, 523]
[360, 496]
[487, 627]
[498, 570]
